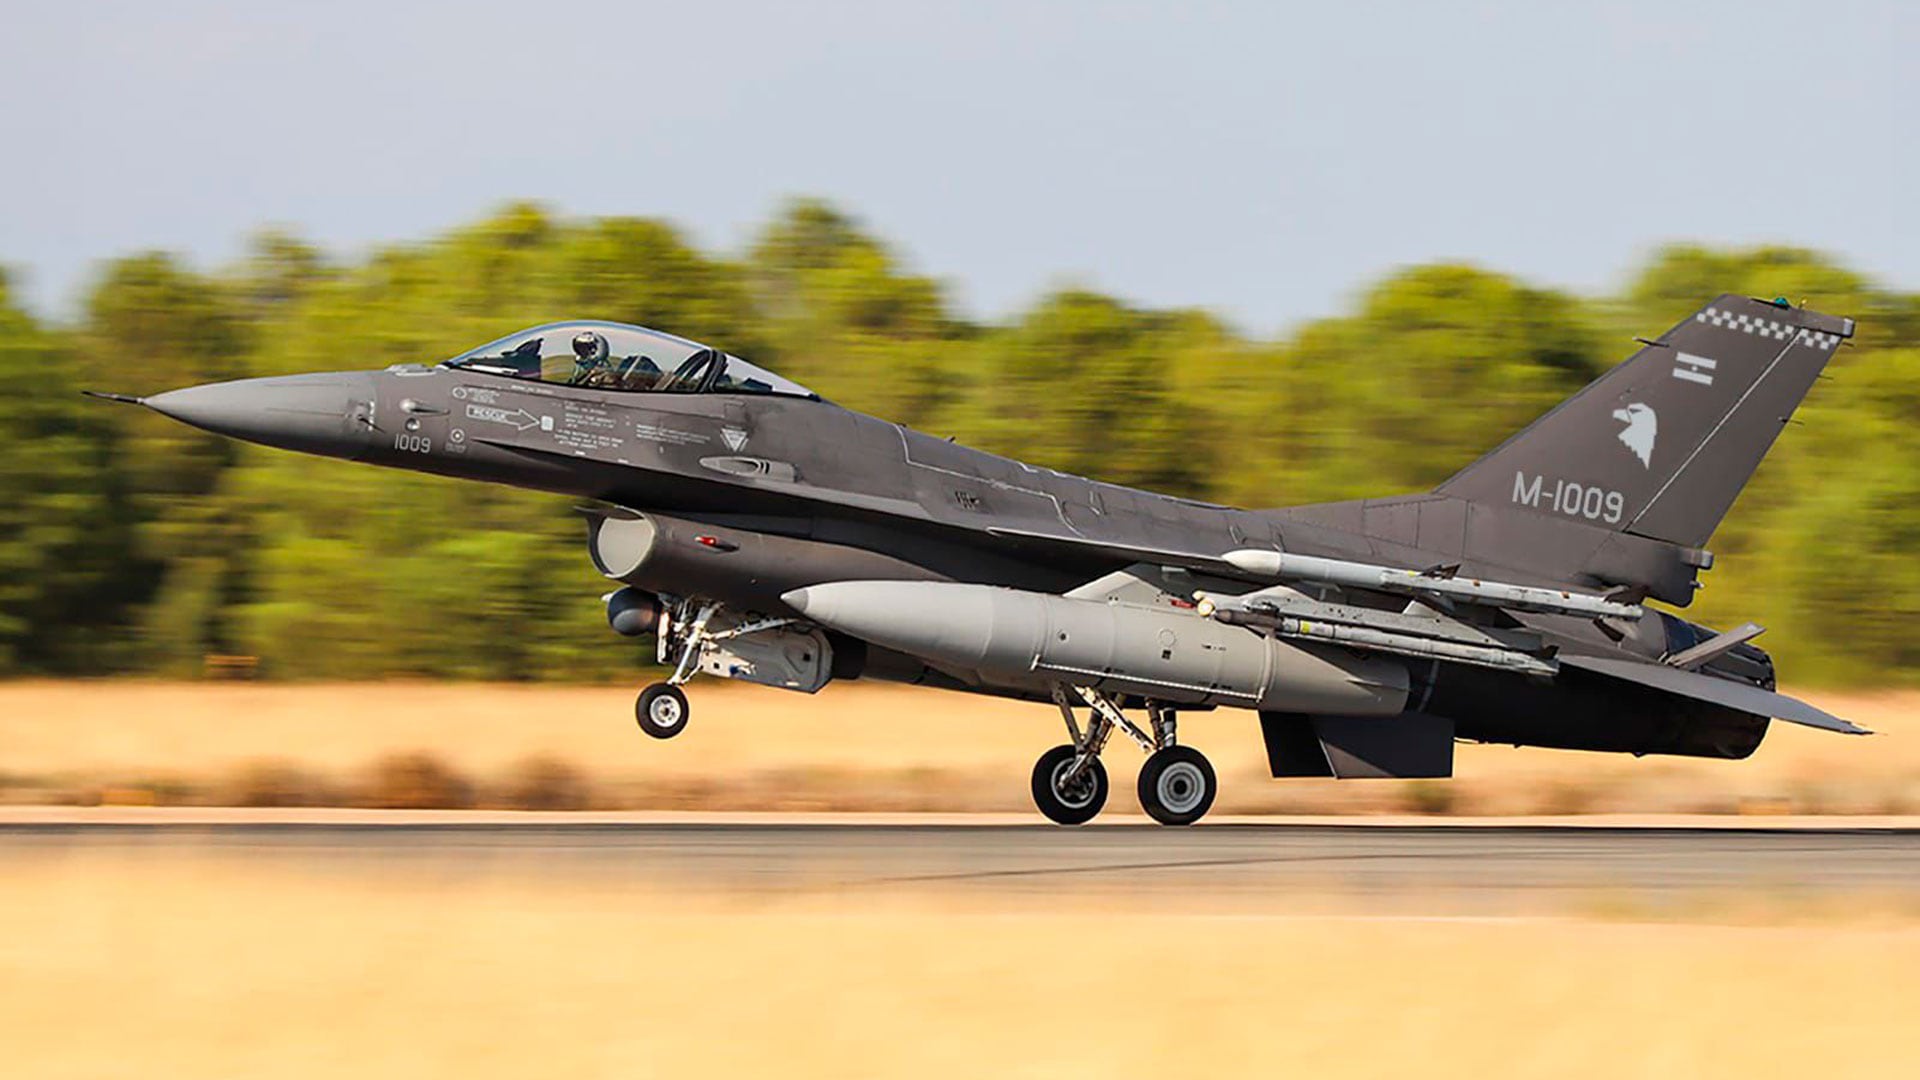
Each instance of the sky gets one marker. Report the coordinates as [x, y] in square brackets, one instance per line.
[1263, 160]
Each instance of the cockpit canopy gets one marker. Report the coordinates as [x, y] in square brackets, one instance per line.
[616, 356]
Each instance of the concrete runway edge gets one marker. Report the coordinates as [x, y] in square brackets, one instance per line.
[204, 816]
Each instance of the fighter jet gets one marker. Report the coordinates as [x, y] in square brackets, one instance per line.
[759, 532]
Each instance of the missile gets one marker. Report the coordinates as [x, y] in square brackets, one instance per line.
[1031, 640]
[1283, 566]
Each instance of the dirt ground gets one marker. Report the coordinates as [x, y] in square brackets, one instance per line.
[173, 964]
[112, 965]
[857, 747]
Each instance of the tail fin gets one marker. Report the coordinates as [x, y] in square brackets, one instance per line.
[1662, 444]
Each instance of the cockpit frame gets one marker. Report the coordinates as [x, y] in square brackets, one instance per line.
[621, 357]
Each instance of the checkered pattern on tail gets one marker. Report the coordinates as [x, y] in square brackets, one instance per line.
[1771, 328]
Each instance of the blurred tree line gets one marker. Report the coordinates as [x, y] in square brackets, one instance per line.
[131, 543]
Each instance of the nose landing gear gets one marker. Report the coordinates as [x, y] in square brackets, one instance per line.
[662, 710]
[697, 636]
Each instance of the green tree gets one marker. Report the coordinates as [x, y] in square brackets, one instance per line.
[131, 542]
[1439, 364]
[62, 531]
[842, 317]
[1084, 383]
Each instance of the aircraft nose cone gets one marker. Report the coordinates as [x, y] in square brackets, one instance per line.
[317, 414]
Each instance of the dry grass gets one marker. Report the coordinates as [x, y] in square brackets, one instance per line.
[116, 964]
[856, 747]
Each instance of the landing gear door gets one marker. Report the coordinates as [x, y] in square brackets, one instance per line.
[789, 658]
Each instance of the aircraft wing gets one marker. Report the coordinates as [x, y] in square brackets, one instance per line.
[1446, 640]
[1127, 553]
[1734, 695]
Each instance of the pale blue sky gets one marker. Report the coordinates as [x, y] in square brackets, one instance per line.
[1264, 160]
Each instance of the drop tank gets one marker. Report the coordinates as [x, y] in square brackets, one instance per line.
[1027, 640]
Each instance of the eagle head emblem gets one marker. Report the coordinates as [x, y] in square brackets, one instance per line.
[1639, 433]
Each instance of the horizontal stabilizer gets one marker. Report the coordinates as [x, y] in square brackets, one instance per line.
[1734, 695]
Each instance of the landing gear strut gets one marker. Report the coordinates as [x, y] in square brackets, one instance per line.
[694, 636]
[1177, 784]
[662, 710]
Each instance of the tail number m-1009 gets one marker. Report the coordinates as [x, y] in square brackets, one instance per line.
[1569, 498]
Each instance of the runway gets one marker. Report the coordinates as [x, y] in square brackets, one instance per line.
[1441, 867]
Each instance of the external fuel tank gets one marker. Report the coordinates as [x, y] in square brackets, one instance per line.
[1017, 638]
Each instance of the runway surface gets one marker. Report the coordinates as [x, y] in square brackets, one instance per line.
[1453, 868]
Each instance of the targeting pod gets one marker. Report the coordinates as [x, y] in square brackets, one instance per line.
[633, 612]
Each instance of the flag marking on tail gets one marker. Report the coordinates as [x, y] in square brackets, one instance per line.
[1694, 368]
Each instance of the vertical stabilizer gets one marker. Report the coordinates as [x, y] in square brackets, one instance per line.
[1661, 445]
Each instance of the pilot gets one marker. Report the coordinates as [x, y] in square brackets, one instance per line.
[590, 365]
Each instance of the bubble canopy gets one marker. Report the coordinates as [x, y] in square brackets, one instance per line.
[617, 356]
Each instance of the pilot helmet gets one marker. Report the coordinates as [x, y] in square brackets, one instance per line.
[589, 349]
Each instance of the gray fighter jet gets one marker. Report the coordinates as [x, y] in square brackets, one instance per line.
[761, 533]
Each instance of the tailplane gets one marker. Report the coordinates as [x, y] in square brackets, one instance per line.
[1661, 445]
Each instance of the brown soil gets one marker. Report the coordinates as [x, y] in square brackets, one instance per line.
[849, 748]
[117, 964]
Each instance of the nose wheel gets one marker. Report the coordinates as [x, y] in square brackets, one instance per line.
[662, 711]
[1177, 785]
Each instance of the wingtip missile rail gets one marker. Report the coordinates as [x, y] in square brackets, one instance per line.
[1284, 566]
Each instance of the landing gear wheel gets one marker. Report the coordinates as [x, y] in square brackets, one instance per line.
[1177, 785]
[1076, 803]
[662, 710]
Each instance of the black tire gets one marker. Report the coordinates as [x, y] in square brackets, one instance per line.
[1177, 785]
[1075, 807]
[662, 711]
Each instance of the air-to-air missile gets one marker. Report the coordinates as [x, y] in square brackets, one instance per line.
[1445, 586]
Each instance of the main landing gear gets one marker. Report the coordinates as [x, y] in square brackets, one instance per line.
[1068, 790]
[1177, 783]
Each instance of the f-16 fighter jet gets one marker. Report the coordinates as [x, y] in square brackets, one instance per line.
[759, 532]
